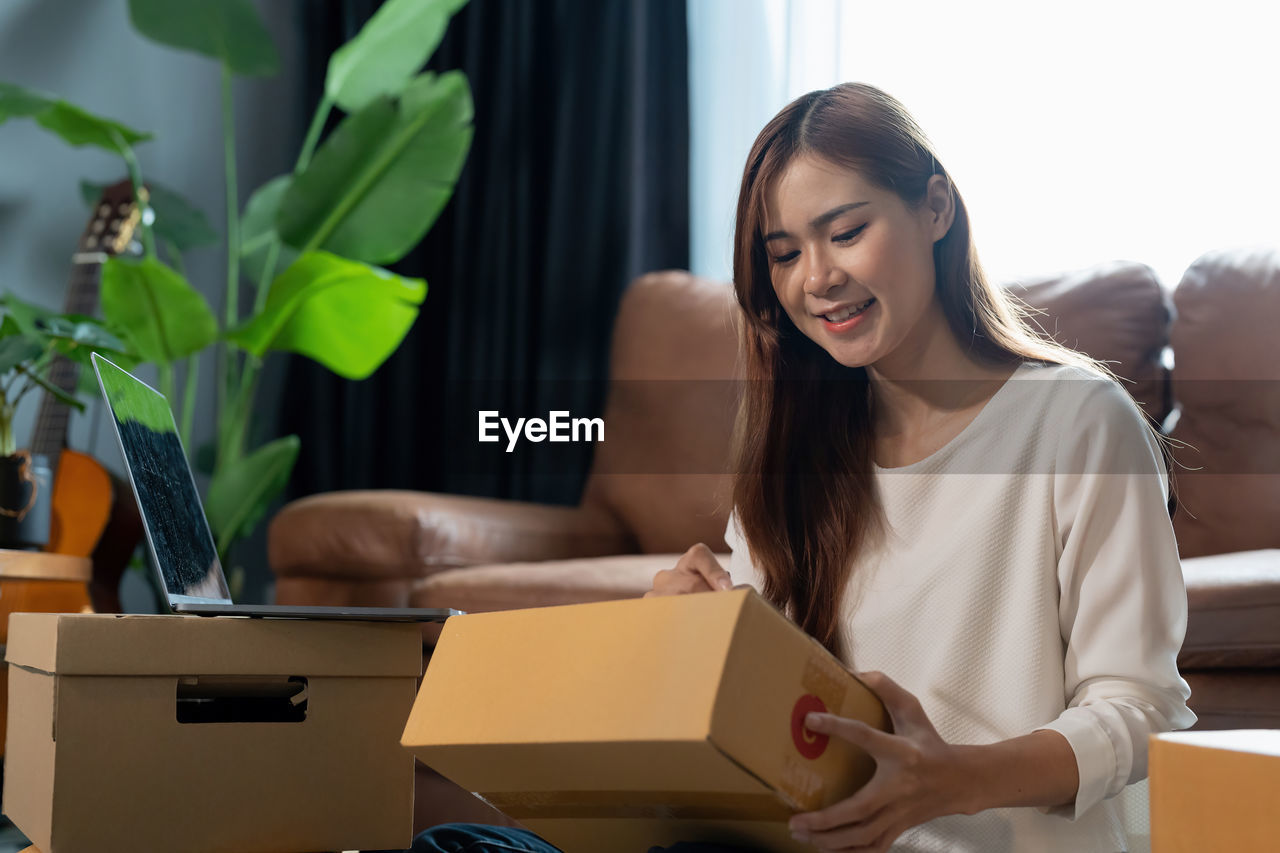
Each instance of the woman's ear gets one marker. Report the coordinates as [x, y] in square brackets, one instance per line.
[940, 201]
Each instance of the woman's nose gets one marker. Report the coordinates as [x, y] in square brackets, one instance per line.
[821, 275]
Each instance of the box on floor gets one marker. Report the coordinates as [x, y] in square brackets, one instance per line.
[625, 724]
[1215, 790]
[135, 733]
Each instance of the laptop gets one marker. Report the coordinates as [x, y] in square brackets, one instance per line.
[177, 532]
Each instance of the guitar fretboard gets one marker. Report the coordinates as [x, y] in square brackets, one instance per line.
[51, 422]
[109, 232]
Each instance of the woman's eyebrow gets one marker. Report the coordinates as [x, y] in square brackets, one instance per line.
[820, 220]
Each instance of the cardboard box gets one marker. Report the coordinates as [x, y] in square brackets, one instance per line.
[1215, 790]
[132, 733]
[624, 724]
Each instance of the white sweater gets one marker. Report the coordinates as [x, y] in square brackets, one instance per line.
[1031, 581]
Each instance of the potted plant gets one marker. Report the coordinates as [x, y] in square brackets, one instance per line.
[314, 242]
[33, 345]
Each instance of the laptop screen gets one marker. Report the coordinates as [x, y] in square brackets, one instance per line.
[172, 515]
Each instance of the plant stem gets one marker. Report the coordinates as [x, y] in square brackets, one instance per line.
[192, 374]
[238, 421]
[227, 364]
[7, 445]
[268, 273]
[189, 382]
[175, 258]
[164, 371]
[249, 373]
[313, 134]
[233, 204]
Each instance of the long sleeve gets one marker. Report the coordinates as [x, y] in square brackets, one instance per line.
[1123, 602]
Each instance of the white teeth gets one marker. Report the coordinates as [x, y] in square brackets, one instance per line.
[841, 316]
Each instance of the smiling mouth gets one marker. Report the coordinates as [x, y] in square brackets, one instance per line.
[841, 316]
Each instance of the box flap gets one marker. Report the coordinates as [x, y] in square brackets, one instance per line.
[625, 674]
[108, 644]
[639, 669]
[32, 640]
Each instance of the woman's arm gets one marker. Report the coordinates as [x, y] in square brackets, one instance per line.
[1122, 599]
[1038, 769]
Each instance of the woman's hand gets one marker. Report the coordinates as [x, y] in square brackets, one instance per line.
[697, 570]
[918, 777]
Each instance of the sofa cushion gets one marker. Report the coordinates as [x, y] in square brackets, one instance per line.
[479, 589]
[387, 534]
[1234, 604]
[1226, 383]
[1116, 312]
[1234, 698]
[662, 469]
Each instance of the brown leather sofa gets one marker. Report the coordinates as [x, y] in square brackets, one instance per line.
[658, 484]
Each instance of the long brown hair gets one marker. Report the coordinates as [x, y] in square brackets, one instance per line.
[805, 493]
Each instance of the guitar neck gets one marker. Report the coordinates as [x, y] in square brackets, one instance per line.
[82, 298]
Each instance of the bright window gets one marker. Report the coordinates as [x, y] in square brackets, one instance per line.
[1077, 132]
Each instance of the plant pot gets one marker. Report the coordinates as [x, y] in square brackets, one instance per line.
[26, 501]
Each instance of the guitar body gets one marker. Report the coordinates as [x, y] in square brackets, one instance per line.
[82, 499]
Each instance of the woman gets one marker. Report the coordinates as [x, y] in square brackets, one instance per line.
[993, 556]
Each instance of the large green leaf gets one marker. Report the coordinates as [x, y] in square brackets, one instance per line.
[178, 222]
[258, 230]
[388, 51]
[164, 317]
[384, 174]
[75, 126]
[227, 30]
[240, 493]
[19, 349]
[74, 335]
[22, 316]
[344, 314]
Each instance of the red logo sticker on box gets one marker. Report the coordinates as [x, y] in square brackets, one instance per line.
[809, 743]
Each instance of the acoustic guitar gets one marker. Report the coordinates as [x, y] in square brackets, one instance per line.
[93, 513]
[95, 526]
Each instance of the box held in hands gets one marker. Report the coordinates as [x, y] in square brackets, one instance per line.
[625, 724]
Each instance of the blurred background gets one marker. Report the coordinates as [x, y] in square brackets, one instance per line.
[609, 139]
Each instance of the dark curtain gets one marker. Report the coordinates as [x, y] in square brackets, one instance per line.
[577, 181]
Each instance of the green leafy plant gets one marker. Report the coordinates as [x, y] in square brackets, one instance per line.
[31, 339]
[311, 242]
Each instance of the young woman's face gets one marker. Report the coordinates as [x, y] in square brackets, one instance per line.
[852, 264]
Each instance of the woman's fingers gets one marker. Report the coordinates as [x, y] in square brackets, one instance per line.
[700, 559]
[697, 570]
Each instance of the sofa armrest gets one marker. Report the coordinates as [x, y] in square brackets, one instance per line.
[387, 535]
[1233, 619]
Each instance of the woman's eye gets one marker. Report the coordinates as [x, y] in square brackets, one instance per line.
[788, 257]
[848, 235]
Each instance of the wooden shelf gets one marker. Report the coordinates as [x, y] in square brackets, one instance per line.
[40, 565]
